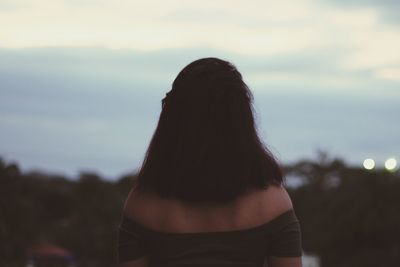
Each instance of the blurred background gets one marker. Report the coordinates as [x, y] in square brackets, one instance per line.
[81, 84]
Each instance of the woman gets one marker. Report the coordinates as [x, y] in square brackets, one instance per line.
[208, 193]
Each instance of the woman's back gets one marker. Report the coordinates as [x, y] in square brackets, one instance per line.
[252, 209]
[206, 149]
[242, 229]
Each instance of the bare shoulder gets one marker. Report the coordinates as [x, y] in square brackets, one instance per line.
[153, 211]
[279, 198]
[138, 204]
[268, 203]
[255, 207]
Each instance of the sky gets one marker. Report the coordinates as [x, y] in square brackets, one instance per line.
[81, 82]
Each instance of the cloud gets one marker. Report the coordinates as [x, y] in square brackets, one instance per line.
[389, 74]
[389, 9]
[89, 75]
[256, 28]
[68, 108]
[14, 5]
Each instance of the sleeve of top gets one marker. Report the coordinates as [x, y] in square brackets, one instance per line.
[286, 242]
[131, 244]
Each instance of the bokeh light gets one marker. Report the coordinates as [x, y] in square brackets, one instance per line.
[369, 164]
[391, 164]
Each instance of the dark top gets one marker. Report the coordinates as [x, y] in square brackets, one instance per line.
[280, 237]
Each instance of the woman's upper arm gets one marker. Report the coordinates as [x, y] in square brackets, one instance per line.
[286, 244]
[284, 261]
[132, 243]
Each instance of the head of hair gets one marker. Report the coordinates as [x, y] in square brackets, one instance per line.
[206, 147]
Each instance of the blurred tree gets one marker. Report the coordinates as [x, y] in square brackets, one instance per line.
[347, 221]
[322, 173]
[349, 216]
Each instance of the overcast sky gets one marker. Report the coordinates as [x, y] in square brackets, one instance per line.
[81, 82]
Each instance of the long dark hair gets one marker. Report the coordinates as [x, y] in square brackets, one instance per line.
[205, 147]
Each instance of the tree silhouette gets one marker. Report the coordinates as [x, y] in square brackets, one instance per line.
[349, 216]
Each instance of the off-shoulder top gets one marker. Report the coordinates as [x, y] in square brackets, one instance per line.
[280, 237]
